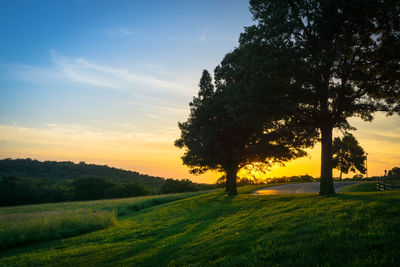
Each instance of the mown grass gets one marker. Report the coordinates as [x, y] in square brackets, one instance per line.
[347, 229]
[120, 205]
[34, 223]
[365, 187]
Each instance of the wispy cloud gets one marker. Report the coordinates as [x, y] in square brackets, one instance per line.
[203, 35]
[30, 74]
[82, 71]
[62, 134]
[115, 32]
[125, 31]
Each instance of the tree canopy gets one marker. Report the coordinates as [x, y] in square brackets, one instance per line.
[223, 133]
[348, 155]
[337, 58]
[24, 168]
[394, 172]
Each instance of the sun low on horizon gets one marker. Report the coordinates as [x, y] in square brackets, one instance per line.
[107, 82]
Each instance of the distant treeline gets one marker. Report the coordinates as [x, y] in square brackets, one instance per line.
[243, 181]
[29, 168]
[309, 178]
[19, 191]
[293, 179]
[26, 181]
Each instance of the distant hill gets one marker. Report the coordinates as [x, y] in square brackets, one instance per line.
[25, 168]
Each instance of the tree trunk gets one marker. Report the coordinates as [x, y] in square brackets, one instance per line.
[226, 184]
[326, 185]
[231, 174]
[340, 175]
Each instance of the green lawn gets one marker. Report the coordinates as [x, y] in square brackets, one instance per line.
[122, 205]
[21, 225]
[347, 229]
[364, 187]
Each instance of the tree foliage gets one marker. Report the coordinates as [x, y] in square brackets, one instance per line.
[336, 57]
[50, 181]
[90, 188]
[348, 155]
[394, 172]
[18, 191]
[30, 168]
[178, 186]
[224, 131]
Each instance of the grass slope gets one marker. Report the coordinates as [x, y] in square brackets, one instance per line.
[121, 205]
[21, 225]
[359, 229]
[364, 187]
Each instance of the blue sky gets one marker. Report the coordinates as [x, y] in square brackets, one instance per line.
[122, 33]
[119, 70]
[71, 61]
[107, 81]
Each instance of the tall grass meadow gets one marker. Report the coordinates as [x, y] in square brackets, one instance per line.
[27, 224]
[23, 228]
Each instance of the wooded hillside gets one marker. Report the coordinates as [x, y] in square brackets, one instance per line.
[29, 168]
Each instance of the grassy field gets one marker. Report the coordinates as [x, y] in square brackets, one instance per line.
[23, 228]
[122, 205]
[347, 229]
[21, 225]
[364, 187]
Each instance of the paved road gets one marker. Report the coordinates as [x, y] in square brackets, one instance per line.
[299, 188]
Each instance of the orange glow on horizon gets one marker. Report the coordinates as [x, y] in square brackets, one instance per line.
[155, 154]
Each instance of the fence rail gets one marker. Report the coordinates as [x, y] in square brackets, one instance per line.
[386, 184]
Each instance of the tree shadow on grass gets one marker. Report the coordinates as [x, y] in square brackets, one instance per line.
[165, 245]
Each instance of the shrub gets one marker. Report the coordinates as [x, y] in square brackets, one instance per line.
[127, 190]
[178, 186]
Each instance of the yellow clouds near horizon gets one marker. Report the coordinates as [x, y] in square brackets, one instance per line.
[153, 152]
[148, 153]
[379, 138]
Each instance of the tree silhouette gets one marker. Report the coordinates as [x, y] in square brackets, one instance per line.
[348, 155]
[219, 135]
[394, 172]
[337, 58]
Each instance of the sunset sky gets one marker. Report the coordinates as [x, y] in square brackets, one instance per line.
[106, 82]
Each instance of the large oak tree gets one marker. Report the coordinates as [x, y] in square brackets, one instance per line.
[222, 133]
[339, 59]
